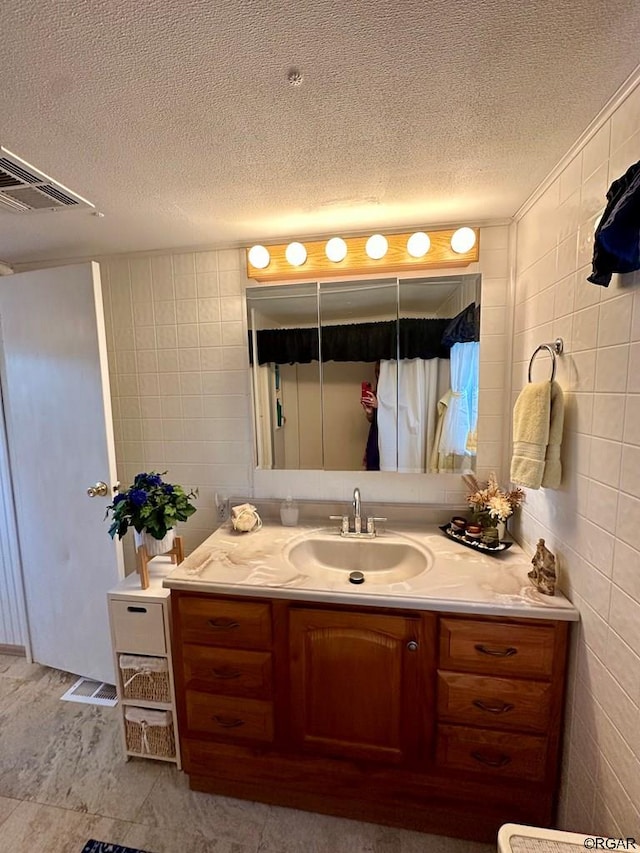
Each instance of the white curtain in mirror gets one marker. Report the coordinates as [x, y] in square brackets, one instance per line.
[407, 414]
[461, 414]
[264, 414]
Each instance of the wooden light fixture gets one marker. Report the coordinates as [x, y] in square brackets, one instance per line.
[276, 263]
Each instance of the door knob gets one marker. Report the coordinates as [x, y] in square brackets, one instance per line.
[99, 490]
[412, 646]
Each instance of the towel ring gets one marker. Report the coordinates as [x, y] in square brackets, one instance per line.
[553, 349]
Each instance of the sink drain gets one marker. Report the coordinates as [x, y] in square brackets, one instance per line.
[356, 577]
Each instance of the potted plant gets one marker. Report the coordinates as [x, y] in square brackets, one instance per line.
[152, 507]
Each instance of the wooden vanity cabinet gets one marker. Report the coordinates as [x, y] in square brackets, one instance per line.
[445, 723]
[355, 684]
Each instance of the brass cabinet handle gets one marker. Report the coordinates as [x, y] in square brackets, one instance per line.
[498, 708]
[500, 760]
[228, 722]
[226, 672]
[222, 624]
[496, 653]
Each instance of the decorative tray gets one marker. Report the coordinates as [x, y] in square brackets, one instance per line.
[477, 546]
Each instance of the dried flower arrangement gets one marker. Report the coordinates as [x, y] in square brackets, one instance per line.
[491, 504]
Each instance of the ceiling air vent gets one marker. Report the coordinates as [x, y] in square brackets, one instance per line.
[24, 189]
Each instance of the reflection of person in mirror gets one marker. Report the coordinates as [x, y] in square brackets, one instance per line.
[369, 402]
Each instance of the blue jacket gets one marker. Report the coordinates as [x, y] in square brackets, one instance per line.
[617, 238]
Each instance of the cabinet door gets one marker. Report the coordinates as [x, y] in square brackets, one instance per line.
[355, 684]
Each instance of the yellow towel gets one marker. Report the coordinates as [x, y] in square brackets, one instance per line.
[531, 417]
[552, 466]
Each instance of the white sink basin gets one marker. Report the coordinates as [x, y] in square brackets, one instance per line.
[389, 558]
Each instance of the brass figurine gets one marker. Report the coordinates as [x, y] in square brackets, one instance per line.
[543, 573]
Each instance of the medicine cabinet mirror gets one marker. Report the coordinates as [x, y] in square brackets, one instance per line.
[376, 374]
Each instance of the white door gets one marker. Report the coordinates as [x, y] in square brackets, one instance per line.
[60, 435]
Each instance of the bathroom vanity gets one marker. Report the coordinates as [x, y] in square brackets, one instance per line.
[429, 698]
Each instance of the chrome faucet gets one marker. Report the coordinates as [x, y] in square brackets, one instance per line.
[369, 530]
[357, 517]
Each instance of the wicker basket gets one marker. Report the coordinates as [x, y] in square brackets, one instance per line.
[149, 732]
[145, 678]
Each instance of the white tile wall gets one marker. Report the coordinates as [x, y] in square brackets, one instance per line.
[179, 372]
[592, 522]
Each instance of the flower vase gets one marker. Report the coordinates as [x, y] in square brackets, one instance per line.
[502, 530]
[154, 547]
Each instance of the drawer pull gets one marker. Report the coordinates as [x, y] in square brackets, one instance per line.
[222, 624]
[228, 722]
[498, 708]
[132, 609]
[491, 760]
[496, 653]
[226, 672]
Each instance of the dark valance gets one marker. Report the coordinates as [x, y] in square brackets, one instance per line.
[285, 346]
[464, 328]
[423, 338]
[418, 338]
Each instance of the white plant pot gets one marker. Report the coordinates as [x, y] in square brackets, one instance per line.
[154, 547]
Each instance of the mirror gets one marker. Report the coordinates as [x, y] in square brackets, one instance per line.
[377, 374]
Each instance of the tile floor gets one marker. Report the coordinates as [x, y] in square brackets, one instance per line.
[63, 779]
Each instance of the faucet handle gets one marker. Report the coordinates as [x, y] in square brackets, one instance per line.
[371, 523]
[344, 522]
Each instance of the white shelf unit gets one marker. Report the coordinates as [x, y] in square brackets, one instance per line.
[140, 621]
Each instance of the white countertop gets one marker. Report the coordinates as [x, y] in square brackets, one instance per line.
[459, 579]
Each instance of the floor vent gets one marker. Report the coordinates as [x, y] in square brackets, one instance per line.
[25, 189]
[92, 693]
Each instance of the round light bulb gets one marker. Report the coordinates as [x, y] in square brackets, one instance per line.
[259, 257]
[376, 247]
[463, 240]
[418, 244]
[336, 249]
[296, 254]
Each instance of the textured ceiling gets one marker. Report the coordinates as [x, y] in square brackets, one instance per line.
[175, 117]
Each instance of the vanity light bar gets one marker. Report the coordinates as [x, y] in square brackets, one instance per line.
[335, 256]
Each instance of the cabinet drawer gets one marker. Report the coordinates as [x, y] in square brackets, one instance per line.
[492, 753]
[497, 648]
[138, 628]
[229, 717]
[228, 671]
[501, 703]
[220, 622]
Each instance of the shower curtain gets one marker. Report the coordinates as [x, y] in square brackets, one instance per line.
[407, 414]
[263, 379]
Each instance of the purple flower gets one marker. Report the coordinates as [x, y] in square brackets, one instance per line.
[119, 498]
[138, 497]
[154, 480]
[168, 489]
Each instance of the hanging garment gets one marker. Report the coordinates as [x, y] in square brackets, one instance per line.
[617, 238]
[440, 463]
